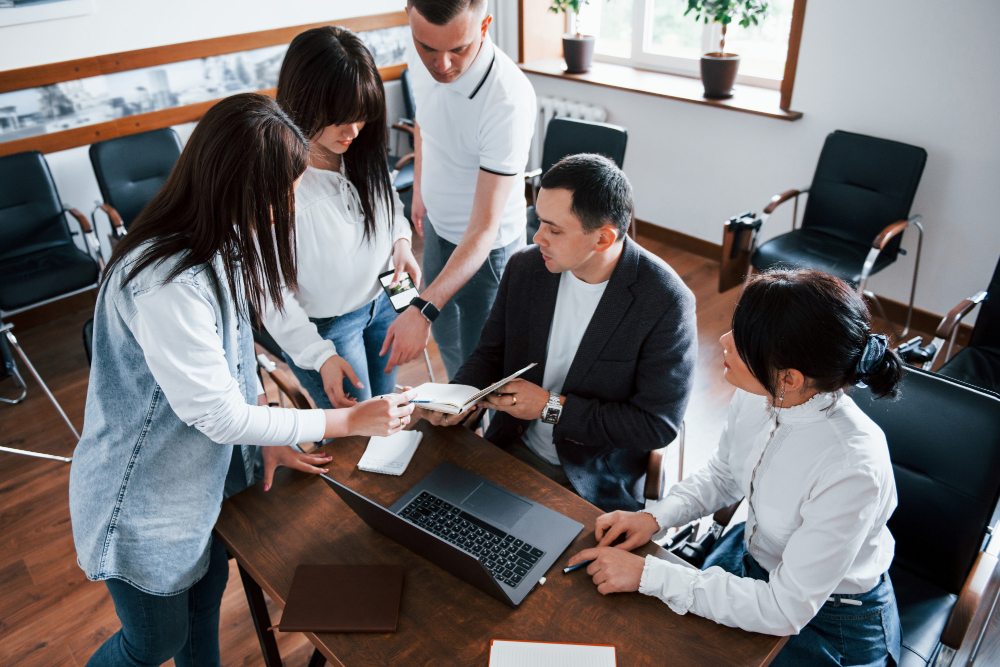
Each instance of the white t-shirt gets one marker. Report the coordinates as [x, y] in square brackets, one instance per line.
[482, 120]
[338, 268]
[575, 306]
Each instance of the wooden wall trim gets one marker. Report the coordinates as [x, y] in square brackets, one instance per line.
[792, 60]
[45, 75]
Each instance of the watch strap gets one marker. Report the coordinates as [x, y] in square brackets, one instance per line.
[426, 308]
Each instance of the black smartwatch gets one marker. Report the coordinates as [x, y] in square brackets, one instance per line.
[426, 308]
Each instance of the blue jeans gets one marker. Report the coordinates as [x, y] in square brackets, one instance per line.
[839, 634]
[358, 337]
[155, 628]
[457, 328]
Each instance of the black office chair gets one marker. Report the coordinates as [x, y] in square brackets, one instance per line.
[977, 364]
[130, 171]
[858, 207]
[39, 261]
[570, 136]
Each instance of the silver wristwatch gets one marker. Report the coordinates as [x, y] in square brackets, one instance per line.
[552, 409]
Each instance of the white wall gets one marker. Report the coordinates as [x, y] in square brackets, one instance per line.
[916, 71]
[124, 25]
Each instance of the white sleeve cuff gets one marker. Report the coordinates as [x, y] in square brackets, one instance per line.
[671, 583]
[312, 425]
[315, 355]
[668, 512]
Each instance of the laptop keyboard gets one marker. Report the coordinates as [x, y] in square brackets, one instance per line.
[506, 557]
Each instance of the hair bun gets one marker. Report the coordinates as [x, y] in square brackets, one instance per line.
[871, 357]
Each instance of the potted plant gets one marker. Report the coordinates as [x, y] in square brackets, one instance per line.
[718, 69]
[578, 50]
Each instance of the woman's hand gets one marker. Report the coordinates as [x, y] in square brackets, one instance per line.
[291, 458]
[382, 415]
[519, 398]
[613, 570]
[333, 371]
[637, 527]
[405, 262]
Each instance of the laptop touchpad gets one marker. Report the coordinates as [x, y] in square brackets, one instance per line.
[494, 503]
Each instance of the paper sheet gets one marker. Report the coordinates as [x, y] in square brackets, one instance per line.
[390, 455]
[535, 654]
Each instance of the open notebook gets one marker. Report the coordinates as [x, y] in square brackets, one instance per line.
[390, 455]
[539, 654]
[457, 398]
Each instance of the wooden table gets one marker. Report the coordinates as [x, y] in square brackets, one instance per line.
[443, 620]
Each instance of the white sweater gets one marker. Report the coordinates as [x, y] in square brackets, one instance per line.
[338, 269]
[823, 492]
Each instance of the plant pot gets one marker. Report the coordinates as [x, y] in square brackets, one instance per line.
[718, 74]
[579, 53]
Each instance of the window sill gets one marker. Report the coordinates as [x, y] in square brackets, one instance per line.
[748, 99]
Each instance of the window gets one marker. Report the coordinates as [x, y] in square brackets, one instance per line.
[655, 34]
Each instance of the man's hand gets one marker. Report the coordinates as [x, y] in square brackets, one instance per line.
[405, 262]
[418, 210]
[407, 337]
[442, 418]
[613, 570]
[637, 527]
[333, 372]
[518, 398]
[290, 458]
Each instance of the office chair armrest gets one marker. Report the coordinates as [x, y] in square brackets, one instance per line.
[950, 321]
[80, 219]
[777, 200]
[654, 475]
[117, 227]
[971, 595]
[403, 161]
[888, 233]
[403, 127]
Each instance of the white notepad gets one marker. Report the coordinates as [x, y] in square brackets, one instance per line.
[457, 398]
[390, 455]
[538, 654]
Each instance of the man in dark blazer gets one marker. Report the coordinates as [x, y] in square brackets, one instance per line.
[612, 329]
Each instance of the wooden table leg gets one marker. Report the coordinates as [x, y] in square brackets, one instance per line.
[262, 620]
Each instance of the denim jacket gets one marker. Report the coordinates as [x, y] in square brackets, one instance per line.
[145, 488]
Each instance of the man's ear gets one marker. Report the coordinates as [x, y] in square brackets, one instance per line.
[486, 24]
[607, 236]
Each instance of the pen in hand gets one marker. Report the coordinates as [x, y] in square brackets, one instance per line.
[573, 568]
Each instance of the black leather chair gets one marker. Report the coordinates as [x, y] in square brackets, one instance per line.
[858, 207]
[944, 439]
[130, 171]
[569, 136]
[978, 363]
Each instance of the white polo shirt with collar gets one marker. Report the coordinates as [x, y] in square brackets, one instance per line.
[483, 120]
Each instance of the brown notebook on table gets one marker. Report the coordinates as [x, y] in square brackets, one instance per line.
[343, 598]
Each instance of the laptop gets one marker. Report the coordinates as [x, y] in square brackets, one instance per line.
[498, 541]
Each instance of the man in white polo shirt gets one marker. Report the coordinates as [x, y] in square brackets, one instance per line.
[475, 117]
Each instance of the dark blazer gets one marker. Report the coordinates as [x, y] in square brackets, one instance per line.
[628, 386]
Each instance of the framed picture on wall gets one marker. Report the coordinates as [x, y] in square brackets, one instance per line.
[13, 12]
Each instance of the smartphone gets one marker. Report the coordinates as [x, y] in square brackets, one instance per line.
[402, 294]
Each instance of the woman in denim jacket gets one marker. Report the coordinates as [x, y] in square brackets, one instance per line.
[173, 388]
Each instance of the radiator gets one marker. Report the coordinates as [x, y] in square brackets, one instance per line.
[550, 107]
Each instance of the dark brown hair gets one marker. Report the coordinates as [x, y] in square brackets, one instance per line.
[233, 180]
[439, 12]
[814, 323]
[601, 192]
[329, 77]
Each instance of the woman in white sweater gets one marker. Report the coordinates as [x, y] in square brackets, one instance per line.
[349, 222]
[812, 559]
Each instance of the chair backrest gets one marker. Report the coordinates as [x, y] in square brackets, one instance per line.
[409, 101]
[944, 440]
[31, 216]
[569, 136]
[863, 184]
[131, 170]
[987, 330]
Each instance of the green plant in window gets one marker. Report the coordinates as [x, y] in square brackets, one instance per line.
[749, 12]
[570, 8]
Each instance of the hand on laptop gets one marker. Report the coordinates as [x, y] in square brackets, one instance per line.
[518, 398]
[612, 570]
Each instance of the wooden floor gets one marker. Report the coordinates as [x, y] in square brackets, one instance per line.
[51, 615]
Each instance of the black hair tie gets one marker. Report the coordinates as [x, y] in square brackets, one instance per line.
[871, 357]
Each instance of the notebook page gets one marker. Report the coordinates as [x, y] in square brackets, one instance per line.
[533, 654]
[444, 394]
[390, 455]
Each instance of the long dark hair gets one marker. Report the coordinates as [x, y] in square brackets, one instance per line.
[814, 323]
[329, 77]
[233, 180]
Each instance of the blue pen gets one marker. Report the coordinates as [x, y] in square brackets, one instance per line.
[572, 568]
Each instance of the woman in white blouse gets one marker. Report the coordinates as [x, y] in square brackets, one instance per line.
[350, 225]
[812, 559]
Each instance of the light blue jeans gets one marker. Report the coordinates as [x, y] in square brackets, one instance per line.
[358, 337]
[457, 328]
[839, 634]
